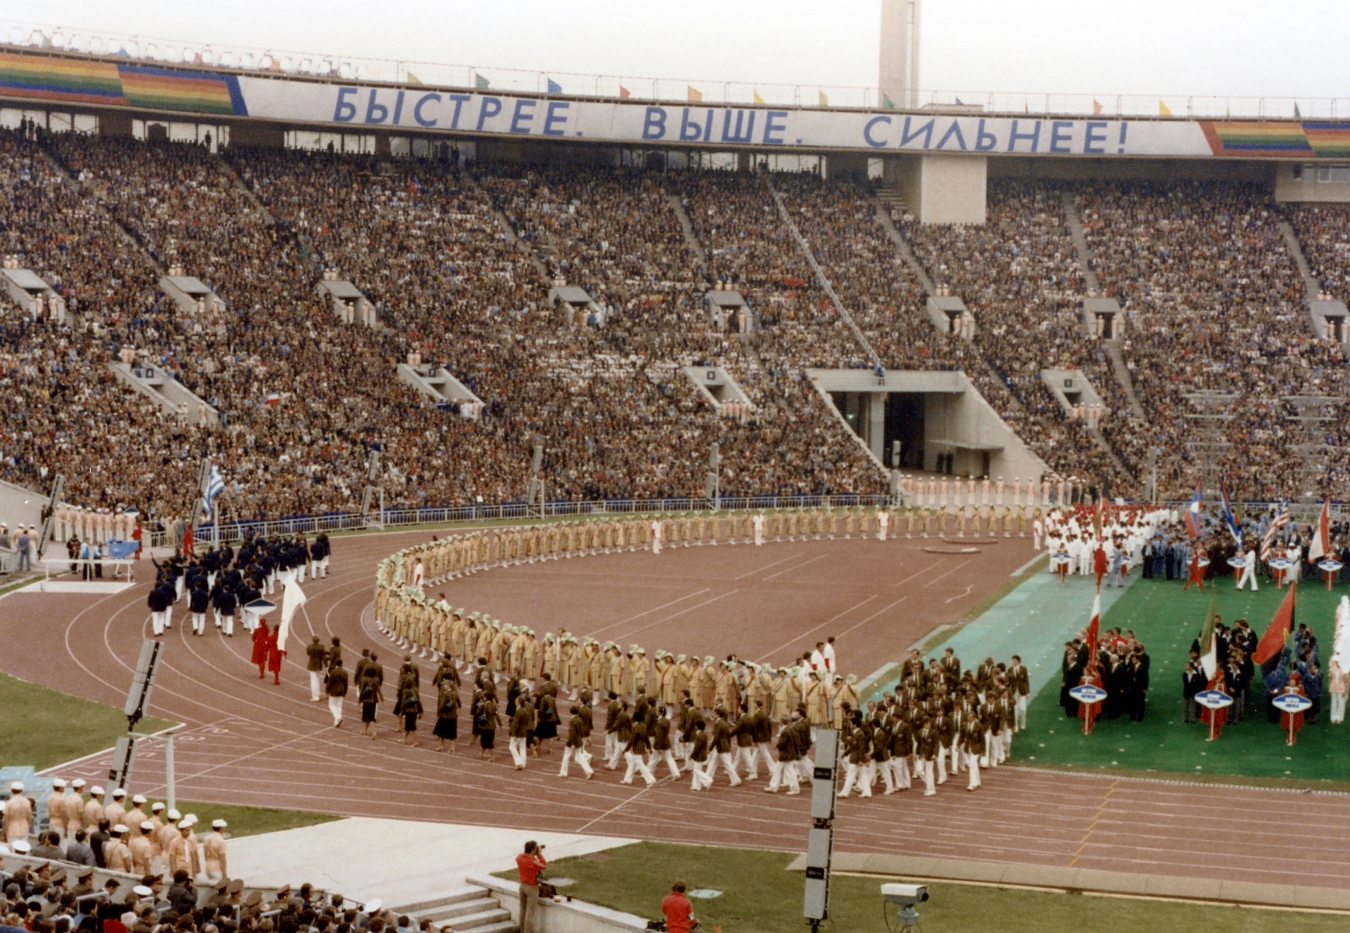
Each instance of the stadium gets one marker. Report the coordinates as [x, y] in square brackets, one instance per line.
[780, 490]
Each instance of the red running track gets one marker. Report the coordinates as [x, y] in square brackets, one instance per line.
[246, 741]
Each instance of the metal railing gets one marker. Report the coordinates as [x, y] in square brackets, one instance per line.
[672, 89]
[518, 512]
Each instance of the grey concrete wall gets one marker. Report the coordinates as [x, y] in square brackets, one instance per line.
[1306, 188]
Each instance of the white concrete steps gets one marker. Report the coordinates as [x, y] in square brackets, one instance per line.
[466, 908]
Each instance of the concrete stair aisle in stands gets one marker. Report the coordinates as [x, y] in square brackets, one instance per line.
[504, 223]
[691, 238]
[1311, 287]
[757, 363]
[1123, 377]
[1110, 451]
[91, 192]
[890, 196]
[902, 245]
[467, 908]
[1080, 245]
[242, 185]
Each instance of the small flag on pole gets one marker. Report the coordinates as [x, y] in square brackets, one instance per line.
[1297, 115]
[1281, 519]
[1164, 110]
[554, 87]
[215, 485]
[1094, 629]
[1267, 653]
[758, 99]
[1193, 514]
[887, 102]
[1320, 545]
[292, 598]
[1209, 645]
[694, 93]
[1096, 106]
[624, 93]
[480, 82]
[824, 99]
[273, 398]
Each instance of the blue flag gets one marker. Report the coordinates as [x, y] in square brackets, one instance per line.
[215, 485]
[554, 87]
[1229, 520]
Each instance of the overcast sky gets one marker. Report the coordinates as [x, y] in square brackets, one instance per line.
[1100, 47]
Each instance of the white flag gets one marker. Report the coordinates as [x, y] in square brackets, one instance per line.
[292, 598]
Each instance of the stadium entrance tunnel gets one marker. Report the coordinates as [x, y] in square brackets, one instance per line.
[934, 421]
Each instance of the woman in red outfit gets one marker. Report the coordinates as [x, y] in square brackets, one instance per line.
[274, 655]
[1215, 718]
[260, 635]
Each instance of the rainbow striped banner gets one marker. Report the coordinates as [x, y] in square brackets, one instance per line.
[1232, 138]
[1329, 140]
[190, 91]
[61, 79]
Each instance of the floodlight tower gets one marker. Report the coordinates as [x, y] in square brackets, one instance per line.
[899, 75]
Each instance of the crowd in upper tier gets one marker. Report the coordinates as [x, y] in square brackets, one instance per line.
[460, 261]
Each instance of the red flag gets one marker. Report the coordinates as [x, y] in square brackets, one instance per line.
[1094, 630]
[1277, 633]
[624, 93]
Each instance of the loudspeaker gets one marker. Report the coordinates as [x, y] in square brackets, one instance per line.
[827, 763]
[819, 848]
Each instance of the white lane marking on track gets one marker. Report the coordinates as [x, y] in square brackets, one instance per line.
[767, 566]
[961, 595]
[651, 610]
[921, 572]
[947, 574]
[793, 568]
[871, 617]
[680, 613]
[796, 639]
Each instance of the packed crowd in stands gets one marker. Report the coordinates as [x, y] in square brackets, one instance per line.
[460, 262]
[1214, 303]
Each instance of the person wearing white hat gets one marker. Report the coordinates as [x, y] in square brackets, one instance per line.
[56, 808]
[93, 809]
[18, 812]
[20, 847]
[136, 816]
[74, 803]
[167, 834]
[183, 854]
[116, 853]
[141, 848]
[116, 812]
[213, 848]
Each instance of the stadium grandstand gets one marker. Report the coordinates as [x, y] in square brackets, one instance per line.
[997, 383]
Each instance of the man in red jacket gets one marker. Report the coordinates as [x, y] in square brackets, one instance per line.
[679, 912]
[529, 863]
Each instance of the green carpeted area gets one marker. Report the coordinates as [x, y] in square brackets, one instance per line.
[1167, 620]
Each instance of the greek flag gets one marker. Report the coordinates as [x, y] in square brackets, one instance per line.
[215, 485]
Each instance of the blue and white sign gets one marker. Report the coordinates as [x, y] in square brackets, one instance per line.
[423, 109]
[1330, 566]
[1291, 703]
[1239, 561]
[1213, 699]
[1087, 693]
[1281, 563]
